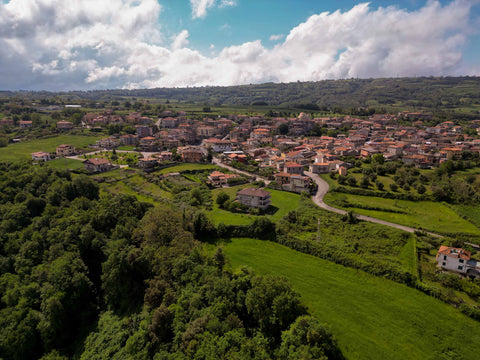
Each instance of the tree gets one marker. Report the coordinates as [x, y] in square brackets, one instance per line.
[378, 159]
[283, 129]
[351, 181]
[308, 339]
[393, 187]
[379, 185]
[365, 182]
[272, 304]
[222, 197]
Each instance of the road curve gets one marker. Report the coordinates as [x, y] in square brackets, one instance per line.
[323, 189]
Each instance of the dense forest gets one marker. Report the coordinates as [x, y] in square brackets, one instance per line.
[422, 92]
[86, 276]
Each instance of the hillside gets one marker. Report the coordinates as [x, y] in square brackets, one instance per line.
[429, 93]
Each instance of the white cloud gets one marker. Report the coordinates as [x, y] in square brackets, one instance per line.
[117, 43]
[276, 37]
[200, 7]
[181, 40]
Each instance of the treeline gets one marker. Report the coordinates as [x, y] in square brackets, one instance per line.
[100, 277]
[423, 92]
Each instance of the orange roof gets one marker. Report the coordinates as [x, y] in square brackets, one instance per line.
[454, 252]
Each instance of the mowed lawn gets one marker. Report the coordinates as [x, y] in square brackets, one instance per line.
[371, 317]
[282, 201]
[427, 215]
[22, 150]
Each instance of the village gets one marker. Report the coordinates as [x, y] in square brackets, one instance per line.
[279, 151]
[279, 148]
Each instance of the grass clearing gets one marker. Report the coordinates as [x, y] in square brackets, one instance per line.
[22, 150]
[372, 318]
[469, 212]
[282, 200]
[427, 215]
[65, 163]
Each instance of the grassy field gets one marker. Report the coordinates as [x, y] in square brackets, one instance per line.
[71, 164]
[22, 151]
[282, 200]
[422, 214]
[371, 317]
[183, 167]
[469, 212]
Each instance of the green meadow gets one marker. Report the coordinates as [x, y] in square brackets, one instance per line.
[371, 317]
[22, 150]
[427, 215]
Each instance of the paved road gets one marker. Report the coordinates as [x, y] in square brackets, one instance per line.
[323, 189]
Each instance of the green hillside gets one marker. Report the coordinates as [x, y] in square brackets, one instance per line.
[371, 317]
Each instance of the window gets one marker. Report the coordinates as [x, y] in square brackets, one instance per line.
[461, 261]
[444, 264]
[460, 268]
[444, 257]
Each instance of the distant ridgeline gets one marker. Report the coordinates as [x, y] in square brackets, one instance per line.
[426, 92]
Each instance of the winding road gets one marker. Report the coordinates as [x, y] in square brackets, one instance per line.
[323, 189]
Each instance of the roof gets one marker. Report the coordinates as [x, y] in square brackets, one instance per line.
[454, 252]
[257, 192]
[97, 161]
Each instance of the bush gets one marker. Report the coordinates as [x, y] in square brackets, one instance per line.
[222, 197]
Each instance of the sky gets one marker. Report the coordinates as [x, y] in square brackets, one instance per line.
[59, 45]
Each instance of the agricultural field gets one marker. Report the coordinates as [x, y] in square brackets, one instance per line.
[22, 150]
[371, 317]
[427, 215]
[130, 182]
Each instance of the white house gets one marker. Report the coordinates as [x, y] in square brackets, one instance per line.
[41, 156]
[458, 260]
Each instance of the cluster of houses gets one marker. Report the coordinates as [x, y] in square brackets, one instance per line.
[244, 138]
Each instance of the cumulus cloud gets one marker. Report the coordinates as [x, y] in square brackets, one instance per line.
[181, 40]
[200, 7]
[118, 43]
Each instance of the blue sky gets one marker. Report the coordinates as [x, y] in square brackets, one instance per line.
[91, 44]
[250, 20]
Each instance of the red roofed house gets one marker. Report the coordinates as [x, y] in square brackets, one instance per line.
[64, 125]
[457, 260]
[97, 165]
[218, 178]
[254, 197]
[292, 168]
[41, 156]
